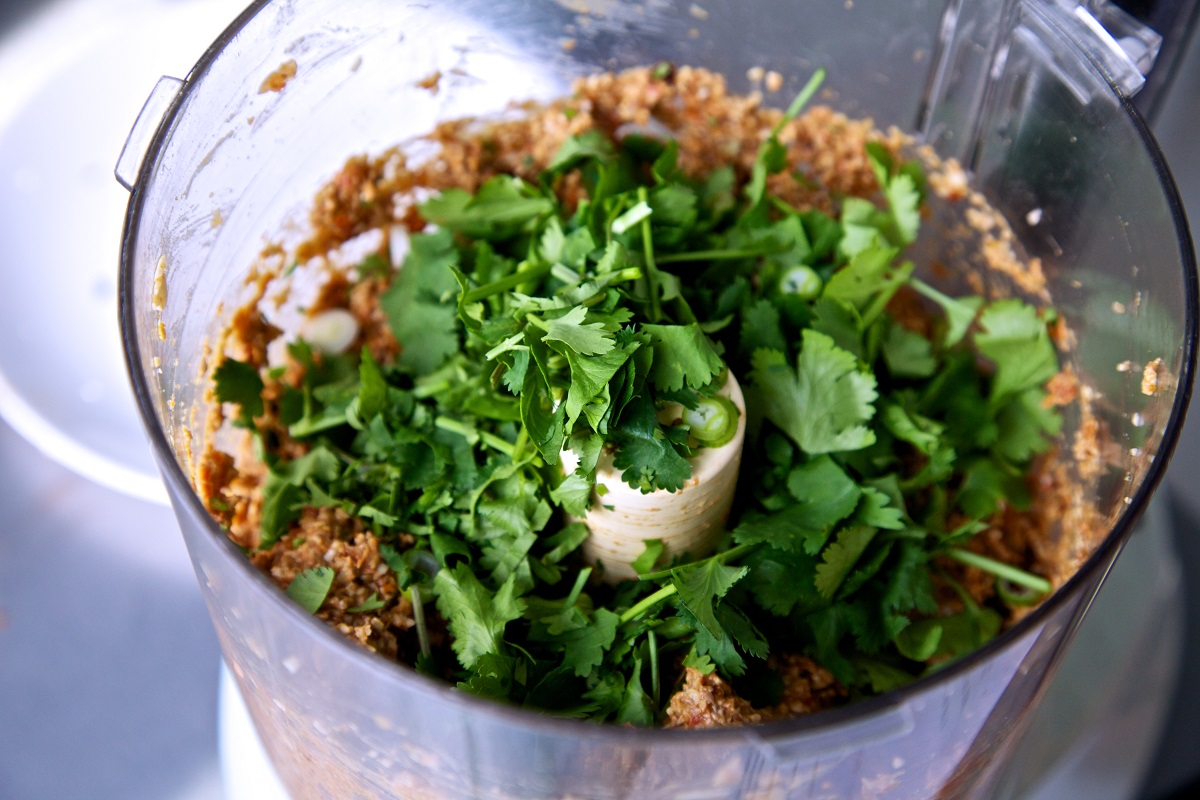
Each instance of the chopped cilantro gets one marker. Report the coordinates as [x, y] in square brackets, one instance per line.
[527, 328]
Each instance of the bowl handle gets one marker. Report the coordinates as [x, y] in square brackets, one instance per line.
[137, 144]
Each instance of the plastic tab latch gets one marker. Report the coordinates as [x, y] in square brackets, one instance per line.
[144, 129]
[1119, 44]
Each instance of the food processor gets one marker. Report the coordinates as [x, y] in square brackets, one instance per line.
[1031, 96]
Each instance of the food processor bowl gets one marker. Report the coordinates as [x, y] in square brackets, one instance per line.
[221, 164]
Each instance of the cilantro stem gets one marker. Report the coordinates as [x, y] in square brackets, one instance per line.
[647, 603]
[565, 274]
[731, 554]
[519, 444]
[430, 389]
[414, 592]
[1001, 570]
[467, 432]
[651, 267]
[506, 283]
[716, 255]
[801, 101]
[652, 645]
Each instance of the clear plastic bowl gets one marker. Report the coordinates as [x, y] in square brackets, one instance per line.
[1051, 135]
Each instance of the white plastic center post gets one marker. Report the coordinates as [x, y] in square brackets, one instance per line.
[691, 520]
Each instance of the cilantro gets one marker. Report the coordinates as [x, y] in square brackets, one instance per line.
[646, 458]
[649, 557]
[960, 312]
[280, 508]
[907, 353]
[636, 708]
[824, 404]
[868, 282]
[702, 585]
[527, 327]
[476, 617]
[422, 324]
[574, 494]
[239, 382]
[585, 646]
[841, 556]
[503, 207]
[310, 587]
[683, 356]
[372, 603]
[1015, 338]
[587, 339]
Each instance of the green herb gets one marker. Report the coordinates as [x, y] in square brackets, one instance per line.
[239, 382]
[310, 588]
[527, 329]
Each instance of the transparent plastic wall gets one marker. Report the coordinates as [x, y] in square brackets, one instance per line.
[231, 168]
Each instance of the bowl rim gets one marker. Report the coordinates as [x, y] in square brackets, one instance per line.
[1088, 577]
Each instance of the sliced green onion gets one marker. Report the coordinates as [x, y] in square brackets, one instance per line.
[1015, 595]
[713, 421]
[801, 281]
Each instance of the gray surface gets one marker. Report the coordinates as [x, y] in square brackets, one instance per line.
[108, 664]
[1176, 128]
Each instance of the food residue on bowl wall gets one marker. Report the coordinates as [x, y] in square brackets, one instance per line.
[278, 80]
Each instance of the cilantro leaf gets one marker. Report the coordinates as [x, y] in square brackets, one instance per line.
[280, 508]
[574, 494]
[907, 353]
[868, 281]
[985, 483]
[649, 557]
[590, 376]
[960, 312]
[542, 419]
[951, 636]
[823, 404]
[476, 617]
[683, 356]
[372, 603]
[585, 647]
[841, 322]
[782, 581]
[826, 496]
[877, 511]
[701, 585]
[840, 557]
[592, 144]
[646, 458]
[909, 587]
[636, 708]
[565, 542]
[1015, 338]
[424, 325]
[761, 328]
[372, 390]
[239, 382]
[1026, 426]
[310, 588]
[503, 206]
[585, 338]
